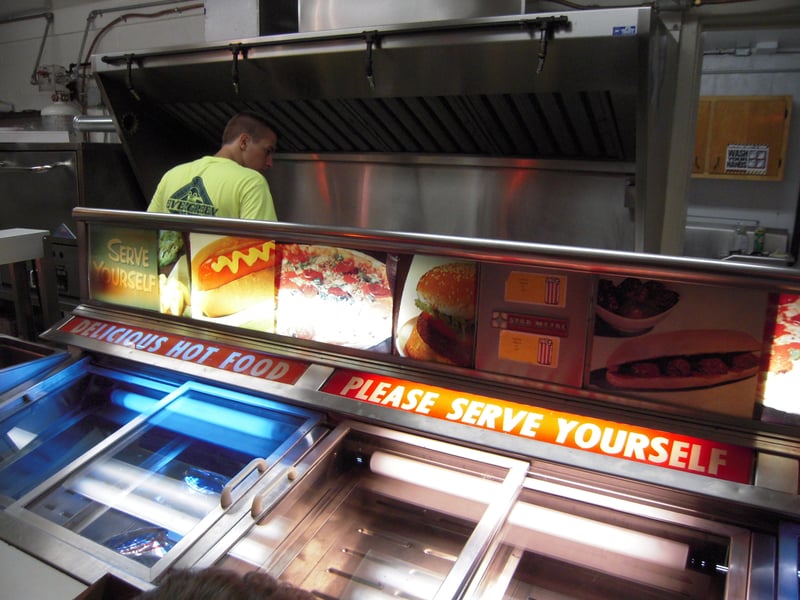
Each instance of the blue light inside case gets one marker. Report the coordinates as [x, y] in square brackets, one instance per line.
[209, 411]
[265, 427]
[133, 401]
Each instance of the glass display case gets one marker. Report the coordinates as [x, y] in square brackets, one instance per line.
[379, 513]
[22, 361]
[551, 466]
[75, 409]
[153, 468]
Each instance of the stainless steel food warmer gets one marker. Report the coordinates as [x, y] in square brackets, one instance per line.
[138, 456]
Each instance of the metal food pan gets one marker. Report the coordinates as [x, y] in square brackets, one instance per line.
[380, 512]
[560, 541]
[388, 515]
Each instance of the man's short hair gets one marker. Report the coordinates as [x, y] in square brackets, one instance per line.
[247, 122]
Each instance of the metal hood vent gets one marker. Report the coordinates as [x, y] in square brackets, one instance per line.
[511, 125]
[552, 86]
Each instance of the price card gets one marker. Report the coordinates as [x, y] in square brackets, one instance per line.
[536, 288]
[528, 348]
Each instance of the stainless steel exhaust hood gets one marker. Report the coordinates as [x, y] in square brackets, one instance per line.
[546, 86]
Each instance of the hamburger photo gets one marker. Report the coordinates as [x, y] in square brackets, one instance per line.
[444, 330]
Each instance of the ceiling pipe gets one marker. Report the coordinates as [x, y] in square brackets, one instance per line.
[48, 16]
[83, 63]
[100, 12]
[81, 123]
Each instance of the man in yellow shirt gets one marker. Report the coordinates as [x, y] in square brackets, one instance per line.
[229, 184]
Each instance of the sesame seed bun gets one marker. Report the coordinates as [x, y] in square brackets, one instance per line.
[450, 289]
[417, 348]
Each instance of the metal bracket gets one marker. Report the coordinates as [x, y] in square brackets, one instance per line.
[237, 49]
[129, 58]
[373, 41]
[545, 26]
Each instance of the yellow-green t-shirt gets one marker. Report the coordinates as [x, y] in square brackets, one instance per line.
[214, 187]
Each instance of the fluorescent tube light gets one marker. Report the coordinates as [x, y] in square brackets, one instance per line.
[434, 477]
[532, 519]
[20, 437]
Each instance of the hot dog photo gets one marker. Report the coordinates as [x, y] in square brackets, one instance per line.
[683, 359]
[233, 281]
[700, 346]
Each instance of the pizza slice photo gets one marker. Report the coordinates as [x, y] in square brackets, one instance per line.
[334, 296]
[781, 369]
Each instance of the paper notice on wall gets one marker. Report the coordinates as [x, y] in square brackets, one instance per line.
[750, 159]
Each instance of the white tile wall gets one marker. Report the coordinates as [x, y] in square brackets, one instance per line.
[20, 41]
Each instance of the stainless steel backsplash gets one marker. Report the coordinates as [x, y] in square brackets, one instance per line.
[323, 15]
[490, 201]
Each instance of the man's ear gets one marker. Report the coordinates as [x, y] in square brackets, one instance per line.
[244, 139]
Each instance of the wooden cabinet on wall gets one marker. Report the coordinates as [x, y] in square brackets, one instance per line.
[741, 137]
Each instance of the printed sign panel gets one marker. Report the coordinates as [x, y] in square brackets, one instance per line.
[190, 350]
[750, 159]
[233, 281]
[779, 380]
[335, 296]
[533, 323]
[436, 317]
[123, 267]
[627, 442]
[691, 345]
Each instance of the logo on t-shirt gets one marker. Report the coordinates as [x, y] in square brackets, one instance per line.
[192, 199]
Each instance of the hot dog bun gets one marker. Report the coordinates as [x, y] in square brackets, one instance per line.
[683, 359]
[232, 273]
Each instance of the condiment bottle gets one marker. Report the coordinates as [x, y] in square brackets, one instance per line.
[758, 241]
[740, 241]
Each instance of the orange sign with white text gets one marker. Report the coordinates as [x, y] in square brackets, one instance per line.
[627, 442]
